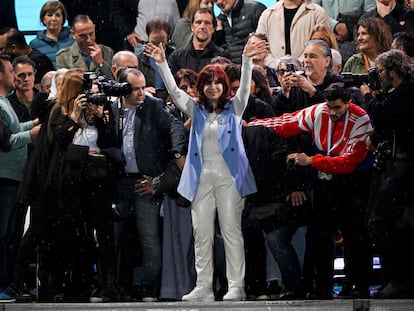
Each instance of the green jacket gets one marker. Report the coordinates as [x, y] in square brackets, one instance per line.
[355, 64]
[71, 57]
[13, 162]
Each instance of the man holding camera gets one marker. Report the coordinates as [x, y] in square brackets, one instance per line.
[391, 222]
[339, 128]
[300, 89]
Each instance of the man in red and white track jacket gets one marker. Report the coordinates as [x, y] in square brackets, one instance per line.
[339, 130]
[340, 192]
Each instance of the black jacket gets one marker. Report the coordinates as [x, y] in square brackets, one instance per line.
[298, 99]
[397, 15]
[275, 178]
[158, 136]
[26, 114]
[188, 57]
[392, 116]
[245, 16]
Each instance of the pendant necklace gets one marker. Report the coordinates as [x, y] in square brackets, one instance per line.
[211, 118]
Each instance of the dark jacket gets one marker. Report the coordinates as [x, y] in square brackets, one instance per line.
[392, 117]
[275, 178]
[245, 16]
[257, 109]
[42, 64]
[23, 113]
[298, 99]
[64, 129]
[158, 136]
[188, 57]
[393, 19]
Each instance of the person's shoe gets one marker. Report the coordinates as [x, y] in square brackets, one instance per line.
[199, 293]
[392, 290]
[274, 289]
[262, 297]
[235, 294]
[149, 294]
[6, 298]
[111, 288]
[98, 297]
[21, 293]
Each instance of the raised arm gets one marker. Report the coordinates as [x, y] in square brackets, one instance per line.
[242, 95]
[180, 98]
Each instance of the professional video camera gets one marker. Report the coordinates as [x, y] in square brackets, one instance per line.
[106, 88]
[356, 79]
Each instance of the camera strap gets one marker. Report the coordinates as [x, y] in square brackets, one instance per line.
[367, 66]
[121, 116]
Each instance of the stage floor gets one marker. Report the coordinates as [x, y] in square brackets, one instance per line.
[296, 305]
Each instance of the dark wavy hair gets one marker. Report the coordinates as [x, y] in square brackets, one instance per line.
[207, 74]
[378, 29]
[264, 91]
[397, 61]
[187, 74]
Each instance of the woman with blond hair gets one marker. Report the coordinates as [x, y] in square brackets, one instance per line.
[323, 32]
[81, 130]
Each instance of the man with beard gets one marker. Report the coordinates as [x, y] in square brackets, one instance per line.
[391, 220]
[199, 52]
[340, 193]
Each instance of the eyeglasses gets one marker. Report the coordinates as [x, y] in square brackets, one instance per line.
[281, 71]
[157, 43]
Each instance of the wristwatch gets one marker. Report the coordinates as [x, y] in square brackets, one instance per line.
[177, 155]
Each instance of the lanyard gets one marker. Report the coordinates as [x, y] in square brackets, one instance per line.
[330, 134]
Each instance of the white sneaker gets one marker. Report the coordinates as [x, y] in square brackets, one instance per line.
[235, 294]
[199, 293]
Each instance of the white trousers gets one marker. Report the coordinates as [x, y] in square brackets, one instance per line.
[217, 191]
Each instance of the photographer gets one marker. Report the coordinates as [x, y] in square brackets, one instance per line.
[80, 133]
[302, 89]
[391, 198]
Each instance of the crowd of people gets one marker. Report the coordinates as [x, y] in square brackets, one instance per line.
[163, 153]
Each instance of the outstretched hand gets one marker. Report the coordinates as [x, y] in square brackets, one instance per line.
[253, 48]
[155, 52]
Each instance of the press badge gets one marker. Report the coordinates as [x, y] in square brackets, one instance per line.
[324, 176]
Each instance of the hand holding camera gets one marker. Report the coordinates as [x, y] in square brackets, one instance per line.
[79, 104]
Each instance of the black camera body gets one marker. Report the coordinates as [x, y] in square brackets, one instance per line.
[106, 87]
[290, 67]
[356, 79]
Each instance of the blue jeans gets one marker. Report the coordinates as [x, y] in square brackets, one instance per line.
[8, 192]
[279, 242]
[147, 220]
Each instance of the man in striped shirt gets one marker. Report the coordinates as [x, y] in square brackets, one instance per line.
[340, 192]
